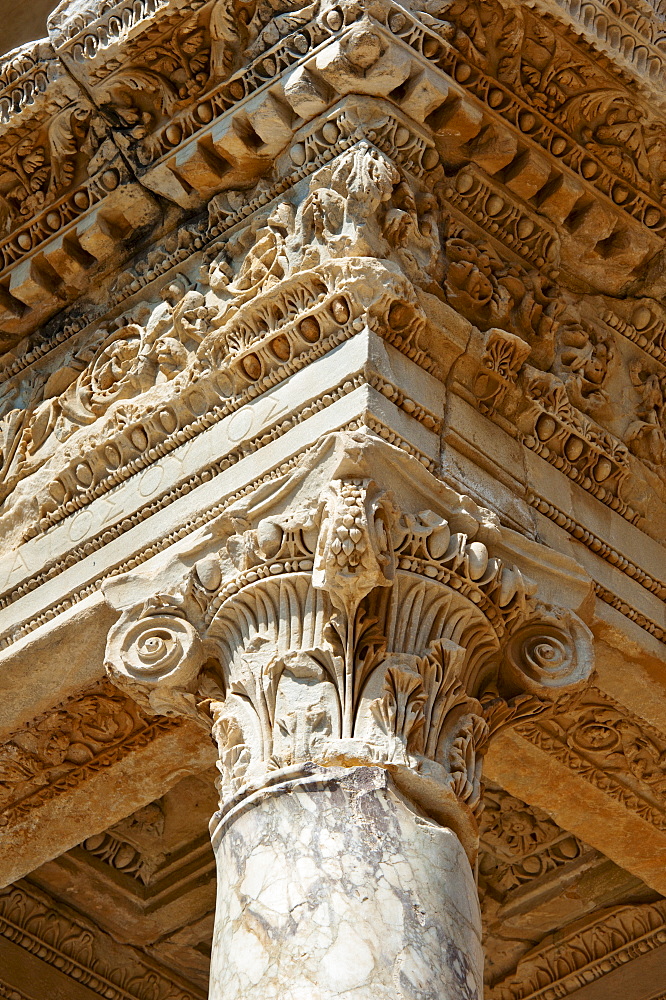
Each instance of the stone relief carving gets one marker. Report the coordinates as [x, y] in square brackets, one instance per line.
[520, 843]
[583, 362]
[207, 334]
[551, 76]
[493, 293]
[501, 362]
[344, 629]
[461, 236]
[646, 436]
[492, 164]
[641, 321]
[359, 206]
[177, 56]
[572, 437]
[611, 749]
[75, 946]
[64, 746]
[123, 846]
[125, 360]
[584, 956]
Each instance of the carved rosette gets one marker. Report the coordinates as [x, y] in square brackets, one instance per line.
[346, 631]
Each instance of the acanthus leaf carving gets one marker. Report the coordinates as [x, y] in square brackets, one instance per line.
[341, 629]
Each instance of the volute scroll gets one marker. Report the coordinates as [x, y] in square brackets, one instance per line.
[348, 626]
[155, 654]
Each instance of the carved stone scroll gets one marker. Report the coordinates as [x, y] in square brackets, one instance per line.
[328, 624]
[341, 629]
[291, 293]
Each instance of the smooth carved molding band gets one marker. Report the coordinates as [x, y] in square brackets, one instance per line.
[338, 626]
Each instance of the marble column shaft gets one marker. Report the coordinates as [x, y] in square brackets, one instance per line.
[332, 884]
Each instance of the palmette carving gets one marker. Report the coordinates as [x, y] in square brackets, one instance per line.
[338, 628]
[500, 364]
[584, 955]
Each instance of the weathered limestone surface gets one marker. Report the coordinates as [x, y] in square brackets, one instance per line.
[332, 453]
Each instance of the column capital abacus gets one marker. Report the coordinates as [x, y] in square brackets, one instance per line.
[353, 612]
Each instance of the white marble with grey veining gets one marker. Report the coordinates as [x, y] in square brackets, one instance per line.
[332, 885]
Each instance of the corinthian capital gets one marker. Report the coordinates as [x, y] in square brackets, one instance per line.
[355, 611]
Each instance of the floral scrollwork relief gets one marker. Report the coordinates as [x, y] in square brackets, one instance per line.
[336, 625]
[520, 843]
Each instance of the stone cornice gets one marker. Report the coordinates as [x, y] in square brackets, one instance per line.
[487, 199]
[558, 968]
[78, 949]
[95, 44]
